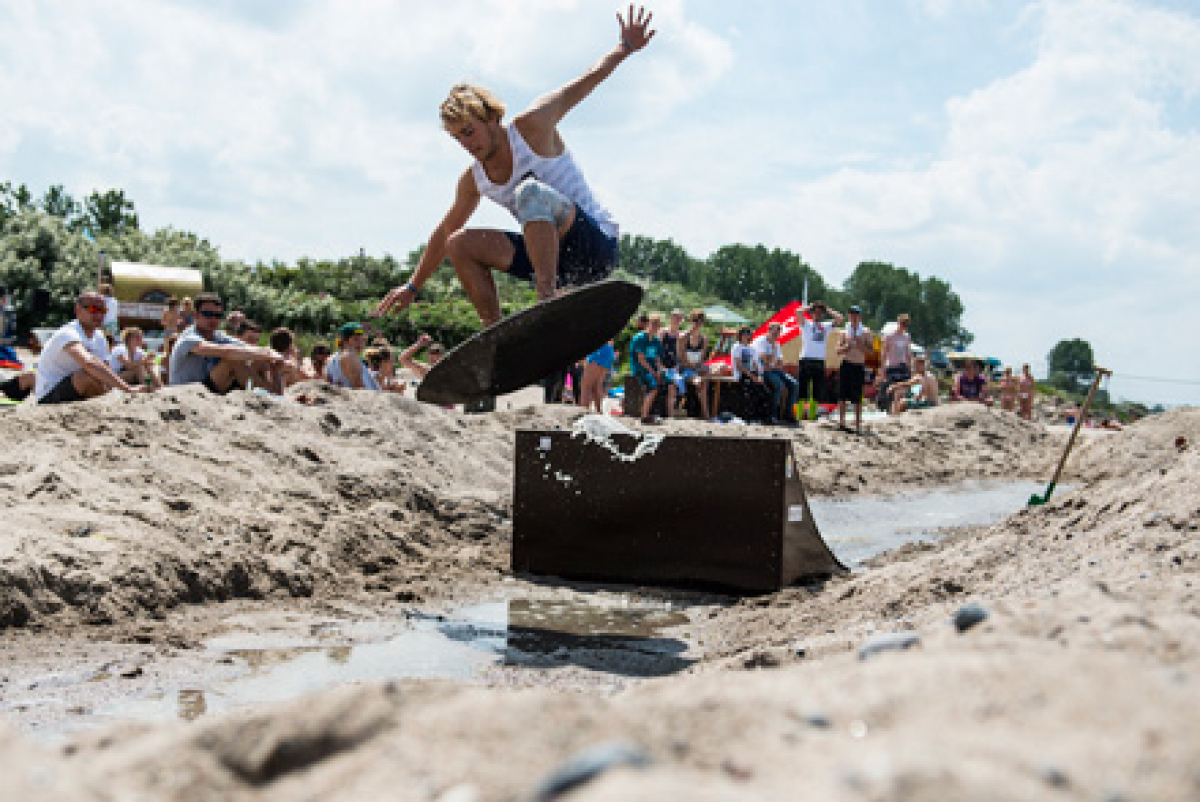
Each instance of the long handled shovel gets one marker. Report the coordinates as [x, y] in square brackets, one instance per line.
[1035, 500]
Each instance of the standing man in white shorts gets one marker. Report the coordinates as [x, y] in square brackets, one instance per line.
[567, 237]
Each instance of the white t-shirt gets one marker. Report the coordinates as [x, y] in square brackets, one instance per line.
[768, 352]
[112, 308]
[813, 339]
[744, 359]
[897, 349]
[55, 364]
[114, 361]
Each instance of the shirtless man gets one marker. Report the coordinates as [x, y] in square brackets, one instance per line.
[567, 238]
[928, 396]
[855, 342]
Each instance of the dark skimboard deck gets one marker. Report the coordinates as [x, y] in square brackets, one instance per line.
[531, 344]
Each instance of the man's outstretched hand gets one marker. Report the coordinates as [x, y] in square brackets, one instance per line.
[398, 299]
[634, 33]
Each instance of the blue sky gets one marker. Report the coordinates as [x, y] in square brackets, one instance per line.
[1041, 156]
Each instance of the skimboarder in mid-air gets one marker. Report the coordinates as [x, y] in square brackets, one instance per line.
[567, 238]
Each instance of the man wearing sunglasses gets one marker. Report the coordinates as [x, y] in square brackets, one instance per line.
[204, 355]
[74, 364]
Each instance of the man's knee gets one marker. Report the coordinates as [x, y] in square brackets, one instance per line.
[86, 386]
[538, 202]
[456, 247]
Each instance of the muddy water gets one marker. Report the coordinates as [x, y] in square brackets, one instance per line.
[860, 528]
[595, 640]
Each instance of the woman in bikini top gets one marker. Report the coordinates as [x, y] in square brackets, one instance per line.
[1008, 391]
[1025, 390]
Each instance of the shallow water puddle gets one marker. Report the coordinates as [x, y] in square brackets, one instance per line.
[604, 636]
[860, 528]
[623, 639]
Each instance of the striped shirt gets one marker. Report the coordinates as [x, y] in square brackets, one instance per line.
[560, 173]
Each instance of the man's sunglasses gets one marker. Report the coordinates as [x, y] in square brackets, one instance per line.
[210, 313]
[95, 309]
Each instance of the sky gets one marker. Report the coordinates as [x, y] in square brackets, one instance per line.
[1043, 157]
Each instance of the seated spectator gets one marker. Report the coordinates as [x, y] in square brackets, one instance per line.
[318, 358]
[923, 384]
[645, 363]
[595, 372]
[383, 367]
[204, 355]
[291, 370]
[747, 369]
[233, 323]
[187, 313]
[164, 361]
[770, 357]
[112, 313]
[247, 331]
[971, 384]
[74, 364]
[408, 355]
[170, 319]
[130, 361]
[692, 354]
[346, 368]
[19, 386]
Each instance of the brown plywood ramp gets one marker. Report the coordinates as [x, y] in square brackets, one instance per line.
[712, 512]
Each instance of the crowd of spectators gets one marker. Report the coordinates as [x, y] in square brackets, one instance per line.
[832, 372]
[201, 344]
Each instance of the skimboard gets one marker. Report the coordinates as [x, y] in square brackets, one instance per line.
[531, 344]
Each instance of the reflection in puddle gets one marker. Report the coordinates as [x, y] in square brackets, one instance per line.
[623, 639]
[859, 528]
[191, 705]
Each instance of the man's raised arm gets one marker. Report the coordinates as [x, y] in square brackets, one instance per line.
[547, 111]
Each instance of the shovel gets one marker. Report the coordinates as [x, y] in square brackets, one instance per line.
[1035, 500]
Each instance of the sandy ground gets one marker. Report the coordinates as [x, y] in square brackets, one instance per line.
[136, 528]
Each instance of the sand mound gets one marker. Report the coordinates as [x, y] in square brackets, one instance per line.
[134, 504]
[1081, 683]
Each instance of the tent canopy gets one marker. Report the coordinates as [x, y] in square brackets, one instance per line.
[723, 314]
[153, 283]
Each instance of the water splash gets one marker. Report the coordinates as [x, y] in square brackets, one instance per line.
[599, 429]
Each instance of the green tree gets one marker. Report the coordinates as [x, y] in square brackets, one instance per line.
[744, 273]
[58, 202]
[38, 251]
[660, 260]
[13, 201]
[1071, 364]
[109, 213]
[885, 291]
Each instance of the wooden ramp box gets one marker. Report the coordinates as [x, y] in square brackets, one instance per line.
[709, 512]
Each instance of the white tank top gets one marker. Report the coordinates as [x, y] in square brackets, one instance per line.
[560, 173]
